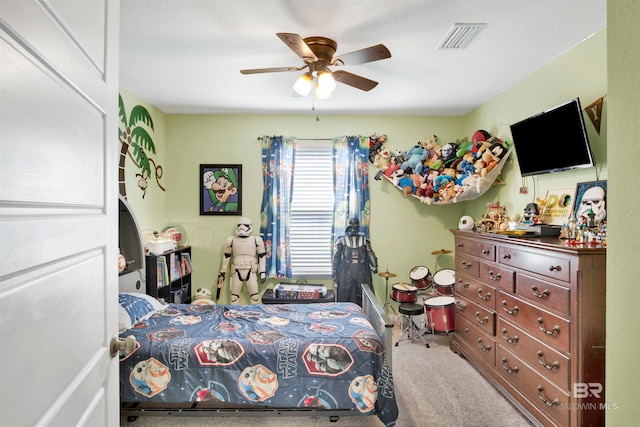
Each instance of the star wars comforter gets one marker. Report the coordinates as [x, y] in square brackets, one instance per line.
[280, 356]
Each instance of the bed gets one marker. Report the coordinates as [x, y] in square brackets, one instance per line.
[277, 359]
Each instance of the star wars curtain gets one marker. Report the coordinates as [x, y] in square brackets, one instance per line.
[278, 157]
[351, 183]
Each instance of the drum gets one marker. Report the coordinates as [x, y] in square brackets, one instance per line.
[420, 277]
[439, 312]
[403, 292]
[443, 281]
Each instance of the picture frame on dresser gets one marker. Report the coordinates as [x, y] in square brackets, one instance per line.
[558, 205]
[220, 189]
[591, 195]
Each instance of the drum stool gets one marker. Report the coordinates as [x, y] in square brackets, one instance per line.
[409, 327]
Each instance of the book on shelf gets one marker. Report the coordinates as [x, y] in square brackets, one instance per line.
[162, 272]
[186, 263]
[176, 268]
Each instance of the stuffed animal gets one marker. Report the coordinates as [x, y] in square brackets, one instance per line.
[414, 157]
[440, 181]
[382, 162]
[375, 145]
[203, 297]
[449, 152]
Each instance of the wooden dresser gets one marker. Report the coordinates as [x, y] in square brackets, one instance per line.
[530, 317]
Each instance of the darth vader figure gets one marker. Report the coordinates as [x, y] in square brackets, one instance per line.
[353, 263]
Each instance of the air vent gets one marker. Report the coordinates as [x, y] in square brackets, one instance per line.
[460, 35]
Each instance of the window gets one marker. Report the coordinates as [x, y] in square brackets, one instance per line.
[312, 210]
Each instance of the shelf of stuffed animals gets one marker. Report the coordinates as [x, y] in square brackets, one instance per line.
[446, 185]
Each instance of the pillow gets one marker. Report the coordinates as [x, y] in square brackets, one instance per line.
[135, 308]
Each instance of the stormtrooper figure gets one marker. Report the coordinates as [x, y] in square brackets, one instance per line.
[593, 200]
[244, 269]
[353, 263]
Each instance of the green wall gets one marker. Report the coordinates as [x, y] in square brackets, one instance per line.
[623, 151]
[404, 232]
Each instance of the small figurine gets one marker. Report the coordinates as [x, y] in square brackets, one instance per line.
[531, 213]
[243, 247]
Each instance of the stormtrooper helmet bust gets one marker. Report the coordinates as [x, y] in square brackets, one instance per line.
[466, 223]
[245, 227]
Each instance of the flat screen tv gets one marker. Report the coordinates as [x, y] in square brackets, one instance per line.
[552, 141]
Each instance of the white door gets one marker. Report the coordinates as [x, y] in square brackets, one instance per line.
[58, 212]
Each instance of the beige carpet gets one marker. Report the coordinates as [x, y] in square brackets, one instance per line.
[434, 388]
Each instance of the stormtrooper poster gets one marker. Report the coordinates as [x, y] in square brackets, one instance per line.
[591, 196]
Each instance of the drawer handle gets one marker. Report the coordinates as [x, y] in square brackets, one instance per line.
[485, 320]
[512, 311]
[460, 245]
[466, 264]
[545, 400]
[506, 367]
[463, 284]
[555, 330]
[483, 347]
[485, 252]
[555, 268]
[494, 276]
[484, 297]
[544, 294]
[507, 339]
[545, 364]
[506, 256]
[460, 306]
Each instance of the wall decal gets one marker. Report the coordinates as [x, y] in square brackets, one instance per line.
[133, 135]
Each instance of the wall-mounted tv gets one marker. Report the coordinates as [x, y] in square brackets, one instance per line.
[552, 141]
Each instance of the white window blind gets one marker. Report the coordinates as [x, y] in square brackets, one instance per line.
[312, 211]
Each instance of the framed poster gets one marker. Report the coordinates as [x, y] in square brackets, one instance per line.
[220, 189]
[558, 206]
[591, 196]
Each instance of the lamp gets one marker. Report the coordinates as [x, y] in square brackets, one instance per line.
[325, 84]
[303, 85]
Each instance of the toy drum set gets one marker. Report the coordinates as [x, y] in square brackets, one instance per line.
[434, 291]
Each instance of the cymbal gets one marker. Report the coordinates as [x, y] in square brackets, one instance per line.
[386, 274]
[441, 252]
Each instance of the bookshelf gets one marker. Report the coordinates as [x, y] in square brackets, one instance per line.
[169, 275]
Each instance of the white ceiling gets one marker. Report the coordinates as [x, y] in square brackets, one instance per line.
[185, 56]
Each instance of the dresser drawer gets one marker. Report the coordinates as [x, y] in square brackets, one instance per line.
[544, 294]
[478, 316]
[482, 343]
[549, 363]
[476, 291]
[501, 278]
[549, 399]
[549, 266]
[465, 264]
[482, 250]
[548, 328]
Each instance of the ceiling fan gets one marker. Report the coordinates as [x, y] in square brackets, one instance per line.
[318, 55]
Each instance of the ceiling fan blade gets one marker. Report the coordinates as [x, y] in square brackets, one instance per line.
[297, 44]
[354, 80]
[270, 70]
[362, 56]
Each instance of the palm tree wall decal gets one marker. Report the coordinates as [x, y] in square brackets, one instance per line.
[132, 134]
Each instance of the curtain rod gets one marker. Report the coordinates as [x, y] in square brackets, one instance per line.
[306, 139]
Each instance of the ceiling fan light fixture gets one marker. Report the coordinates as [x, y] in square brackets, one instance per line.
[326, 85]
[303, 85]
